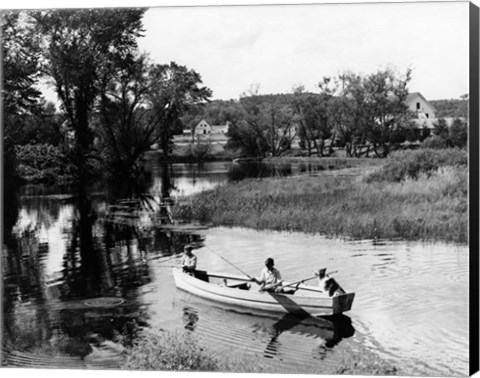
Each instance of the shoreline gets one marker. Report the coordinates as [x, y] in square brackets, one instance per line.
[431, 208]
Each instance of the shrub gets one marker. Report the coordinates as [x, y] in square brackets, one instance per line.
[365, 365]
[42, 162]
[200, 150]
[411, 164]
[169, 351]
[436, 142]
[459, 133]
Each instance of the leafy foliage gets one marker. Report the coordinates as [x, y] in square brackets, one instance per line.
[266, 127]
[21, 62]
[78, 47]
[371, 110]
[21, 57]
[175, 351]
[314, 116]
[177, 89]
[127, 125]
[459, 133]
[43, 162]
[411, 164]
[445, 136]
[453, 108]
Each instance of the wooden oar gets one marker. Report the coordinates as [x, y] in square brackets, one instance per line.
[305, 280]
[169, 266]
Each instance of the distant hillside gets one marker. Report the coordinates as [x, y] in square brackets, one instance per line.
[450, 108]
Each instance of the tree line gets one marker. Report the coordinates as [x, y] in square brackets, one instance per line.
[115, 102]
[364, 115]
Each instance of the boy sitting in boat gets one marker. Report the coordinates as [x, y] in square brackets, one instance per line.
[270, 278]
[189, 260]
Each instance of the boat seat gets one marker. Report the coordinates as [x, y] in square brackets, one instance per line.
[201, 275]
[241, 286]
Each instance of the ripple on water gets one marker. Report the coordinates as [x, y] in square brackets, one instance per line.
[289, 340]
[37, 360]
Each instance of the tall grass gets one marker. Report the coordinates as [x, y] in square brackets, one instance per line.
[402, 165]
[431, 206]
[183, 352]
[169, 351]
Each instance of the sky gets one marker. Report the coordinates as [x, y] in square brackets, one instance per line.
[278, 47]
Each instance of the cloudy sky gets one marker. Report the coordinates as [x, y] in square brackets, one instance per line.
[279, 46]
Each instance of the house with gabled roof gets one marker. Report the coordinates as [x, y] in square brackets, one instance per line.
[204, 128]
[419, 105]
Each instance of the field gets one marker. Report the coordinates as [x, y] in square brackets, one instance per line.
[423, 202]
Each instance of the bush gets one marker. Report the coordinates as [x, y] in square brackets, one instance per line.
[411, 164]
[365, 365]
[42, 162]
[169, 351]
[200, 150]
[435, 142]
[459, 133]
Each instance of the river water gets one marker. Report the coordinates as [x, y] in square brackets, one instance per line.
[79, 287]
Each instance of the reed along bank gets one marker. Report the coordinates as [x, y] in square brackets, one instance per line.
[414, 195]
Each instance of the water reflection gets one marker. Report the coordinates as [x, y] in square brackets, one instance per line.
[61, 253]
[65, 250]
[290, 339]
[190, 318]
[330, 330]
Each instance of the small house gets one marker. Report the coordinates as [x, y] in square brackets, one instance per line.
[204, 128]
[420, 106]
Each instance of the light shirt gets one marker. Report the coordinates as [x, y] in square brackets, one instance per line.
[268, 277]
[189, 261]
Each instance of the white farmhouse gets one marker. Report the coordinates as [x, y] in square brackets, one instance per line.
[420, 106]
[204, 128]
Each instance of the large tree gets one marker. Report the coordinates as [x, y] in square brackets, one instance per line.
[388, 116]
[266, 128]
[459, 133]
[349, 112]
[313, 115]
[126, 124]
[177, 89]
[20, 97]
[141, 104]
[369, 112]
[78, 45]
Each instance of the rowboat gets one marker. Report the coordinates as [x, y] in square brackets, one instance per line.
[236, 291]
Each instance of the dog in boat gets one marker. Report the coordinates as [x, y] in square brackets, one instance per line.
[328, 284]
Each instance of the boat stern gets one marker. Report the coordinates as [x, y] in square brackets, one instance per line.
[342, 303]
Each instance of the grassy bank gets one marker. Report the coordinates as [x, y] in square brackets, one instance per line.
[328, 162]
[183, 352]
[429, 202]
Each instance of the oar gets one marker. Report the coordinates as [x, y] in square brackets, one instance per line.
[232, 264]
[169, 266]
[305, 280]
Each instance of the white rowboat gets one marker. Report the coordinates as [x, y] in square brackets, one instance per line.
[307, 300]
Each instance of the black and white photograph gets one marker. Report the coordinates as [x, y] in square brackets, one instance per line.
[234, 187]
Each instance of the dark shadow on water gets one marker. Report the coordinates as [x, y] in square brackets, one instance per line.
[190, 318]
[265, 330]
[107, 246]
[330, 329]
